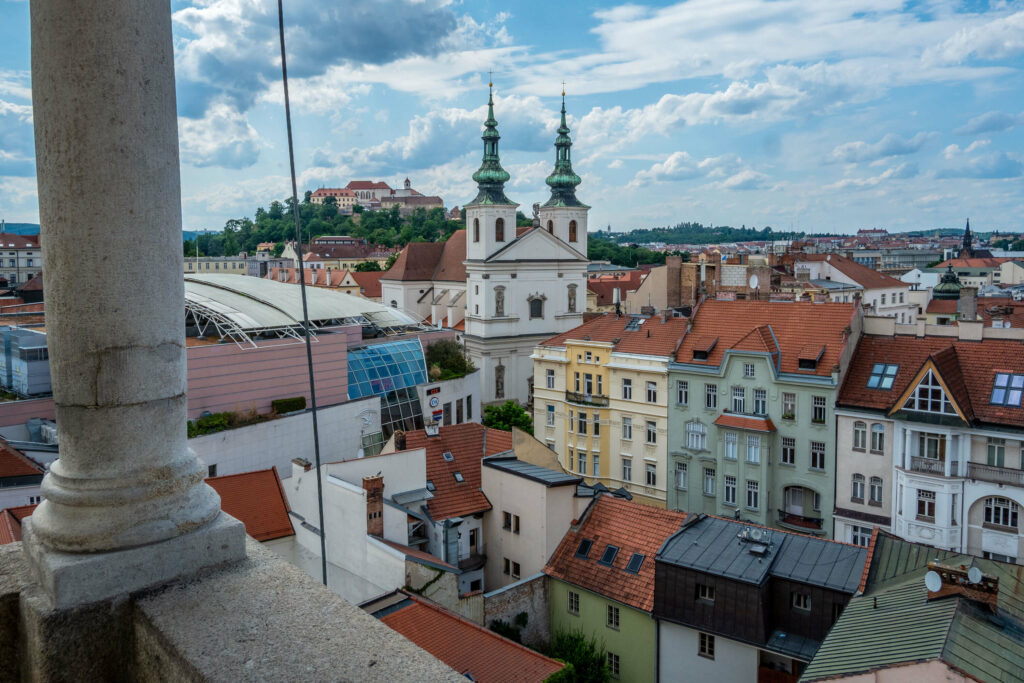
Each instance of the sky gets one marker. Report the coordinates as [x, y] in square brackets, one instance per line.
[815, 115]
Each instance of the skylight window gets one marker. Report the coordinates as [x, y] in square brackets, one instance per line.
[448, 457]
[635, 563]
[882, 376]
[430, 485]
[1008, 389]
[608, 557]
[584, 548]
[459, 478]
[634, 324]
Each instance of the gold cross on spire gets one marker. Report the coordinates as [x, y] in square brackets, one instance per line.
[563, 88]
[490, 78]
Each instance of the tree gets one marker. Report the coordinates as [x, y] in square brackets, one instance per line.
[586, 660]
[367, 266]
[506, 416]
[450, 357]
[391, 260]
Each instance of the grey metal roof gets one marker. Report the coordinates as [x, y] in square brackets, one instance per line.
[535, 472]
[415, 495]
[793, 645]
[714, 545]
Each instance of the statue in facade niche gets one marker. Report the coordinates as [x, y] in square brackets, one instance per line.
[499, 381]
[499, 301]
[536, 214]
[572, 299]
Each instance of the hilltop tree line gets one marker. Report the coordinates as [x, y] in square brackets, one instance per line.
[696, 233]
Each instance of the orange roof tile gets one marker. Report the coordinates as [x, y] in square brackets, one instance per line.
[791, 324]
[977, 262]
[466, 444]
[450, 267]
[257, 500]
[633, 528]
[943, 306]
[754, 424]
[369, 282]
[862, 275]
[13, 463]
[968, 368]
[10, 522]
[416, 262]
[655, 337]
[466, 647]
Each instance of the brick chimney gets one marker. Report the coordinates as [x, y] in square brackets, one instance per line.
[674, 281]
[967, 307]
[374, 487]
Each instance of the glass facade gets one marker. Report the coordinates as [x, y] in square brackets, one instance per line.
[390, 370]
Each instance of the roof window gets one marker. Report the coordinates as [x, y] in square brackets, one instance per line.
[584, 549]
[635, 563]
[634, 324]
[1008, 389]
[459, 478]
[448, 457]
[430, 485]
[608, 558]
[882, 376]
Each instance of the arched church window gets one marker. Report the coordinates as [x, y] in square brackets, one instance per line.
[499, 230]
[476, 229]
[536, 308]
[551, 227]
[572, 231]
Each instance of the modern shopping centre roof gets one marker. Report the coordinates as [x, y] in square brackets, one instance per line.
[243, 307]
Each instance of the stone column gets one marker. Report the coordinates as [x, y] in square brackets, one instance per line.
[110, 208]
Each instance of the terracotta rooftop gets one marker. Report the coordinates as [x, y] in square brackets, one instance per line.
[945, 306]
[967, 367]
[367, 185]
[257, 500]
[450, 266]
[466, 442]
[416, 262]
[369, 282]
[10, 523]
[13, 463]
[470, 649]
[791, 324]
[754, 424]
[862, 275]
[605, 285]
[632, 528]
[991, 262]
[654, 336]
[8, 240]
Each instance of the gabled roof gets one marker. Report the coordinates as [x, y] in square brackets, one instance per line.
[894, 623]
[416, 262]
[257, 500]
[450, 266]
[367, 185]
[968, 368]
[867, 278]
[632, 528]
[790, 323]
[654, 337]
[472, 650]
[532, 244]
[466, 442]
[10, 522]
[14, 463]
[369, 282]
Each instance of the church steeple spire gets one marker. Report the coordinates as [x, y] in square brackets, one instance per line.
[491, 177]
[967, 250]
[563, 180]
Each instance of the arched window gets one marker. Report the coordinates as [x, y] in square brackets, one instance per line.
[878, 437]
[876, 491]
[499, 230]
[1001, 512]
[476, 229]
[860, 435]
[858, 488]
[572, 231]
[551, 227]
[536, 308]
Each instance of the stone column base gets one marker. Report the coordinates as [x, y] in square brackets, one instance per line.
[72, 579]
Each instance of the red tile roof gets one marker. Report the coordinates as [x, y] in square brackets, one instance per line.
[257, 500]
[605, 285]
[450, 266]
[633, 528]
[10, 240]
[862, 275]
[991, 262]
[656, 337]
[466, 647]
[367, 185]
[754, 424]
[791, 324]
[13, 463]
[943, 306]
[416, 262]
[10, 522]
[968, 368]
[369, 282]
[466, 443]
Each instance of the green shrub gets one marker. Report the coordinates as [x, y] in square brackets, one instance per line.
[287, 405]
[208, 424]
[584, 655]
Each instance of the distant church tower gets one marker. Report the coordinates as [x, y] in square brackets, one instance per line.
[967, 250]
[523, 285]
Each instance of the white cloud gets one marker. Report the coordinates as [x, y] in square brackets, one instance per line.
[900, 172]
[745, 180]
[681, 166]
[997, 39]
[991, 122]
[889, 146]
[222, 137]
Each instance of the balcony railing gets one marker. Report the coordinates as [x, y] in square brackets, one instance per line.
[586, 399]
[799, 521]
[927, 465]
[995, 474]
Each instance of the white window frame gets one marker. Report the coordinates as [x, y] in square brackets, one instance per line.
[627, 469]
[627, 390]
[551, 415]
[710, 481]
[731, 445]
[711, 396]
[652, 392]
[682, 392]
[788, 451]
[753, 495]
[549, 379]
[627, 429]
[730, 490]
[650, 474]
[754, 449]
[681, 476]
[652, 433]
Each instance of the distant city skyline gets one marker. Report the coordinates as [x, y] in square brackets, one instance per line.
[821, 117]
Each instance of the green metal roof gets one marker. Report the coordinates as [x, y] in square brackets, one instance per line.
[893, 623]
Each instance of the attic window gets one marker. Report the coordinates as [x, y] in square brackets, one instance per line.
[448, 457]
[1007, 389]
[459, 478]
[584, 548]
[809, 356]
[608, 557]
[635, 563]
[430, 485]
[634, 324]
[882, 376]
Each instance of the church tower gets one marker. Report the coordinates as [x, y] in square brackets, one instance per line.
[967, 249]
[563, 215]
[491, 216]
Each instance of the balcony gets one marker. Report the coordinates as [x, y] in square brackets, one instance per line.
[995, 474]
[798, 522]
[930, 465]
[586, 399]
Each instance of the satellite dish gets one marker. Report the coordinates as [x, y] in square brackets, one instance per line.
[755, 534]
[753, 281]
[974, 575]
[933, 582]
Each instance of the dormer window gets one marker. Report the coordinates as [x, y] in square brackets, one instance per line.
[809, 356]
[929, 397]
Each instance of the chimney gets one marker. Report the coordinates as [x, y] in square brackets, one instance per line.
[374, 487]
[674, 281]
[967, 307]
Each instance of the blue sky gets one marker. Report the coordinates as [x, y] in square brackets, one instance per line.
[821, 115]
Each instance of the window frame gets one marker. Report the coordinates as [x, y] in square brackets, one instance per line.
[682, 392]
[711, 396]
[652, 392]
[612, 617]
[681, 476]
[706, 646]
[819, 410]
[627, 389]
[573, 603]
[753, 494]
[729, 487]
[710, 483]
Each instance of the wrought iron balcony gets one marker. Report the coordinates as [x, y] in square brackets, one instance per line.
[586, 399]
[995, 474]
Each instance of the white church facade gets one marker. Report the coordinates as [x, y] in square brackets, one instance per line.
[523, 285]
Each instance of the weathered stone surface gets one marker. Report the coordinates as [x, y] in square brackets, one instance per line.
[71, 579]
[262, 619]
